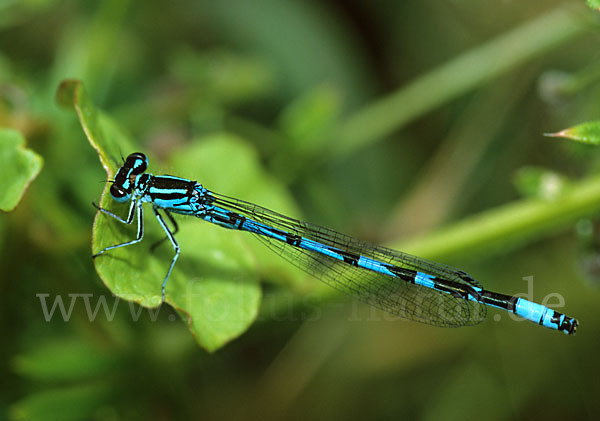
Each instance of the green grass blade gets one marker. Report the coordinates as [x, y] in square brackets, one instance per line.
[456, 77]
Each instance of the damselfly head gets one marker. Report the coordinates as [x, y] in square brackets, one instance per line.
[123, 184]
[137, 162]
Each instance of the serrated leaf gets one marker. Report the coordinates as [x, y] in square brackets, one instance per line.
[214, 285]
[585, 133]
[18, 168]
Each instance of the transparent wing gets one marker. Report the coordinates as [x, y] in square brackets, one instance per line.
[389, 293]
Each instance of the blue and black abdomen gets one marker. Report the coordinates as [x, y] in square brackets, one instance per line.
[398, 283]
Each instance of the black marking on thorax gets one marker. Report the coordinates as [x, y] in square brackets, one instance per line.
[169, 188]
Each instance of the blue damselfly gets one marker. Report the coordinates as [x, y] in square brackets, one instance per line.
[401, 284]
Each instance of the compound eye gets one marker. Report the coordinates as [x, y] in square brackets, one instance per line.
[138, 162]
[118, 193]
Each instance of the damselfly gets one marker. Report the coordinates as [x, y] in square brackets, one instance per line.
[393, 281]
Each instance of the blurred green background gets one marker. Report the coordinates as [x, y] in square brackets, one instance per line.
[417, 124]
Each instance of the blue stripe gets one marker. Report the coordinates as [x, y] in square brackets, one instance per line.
[425, 280]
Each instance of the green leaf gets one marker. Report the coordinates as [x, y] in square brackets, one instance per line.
[66, 403]
[585, 133]
[594, 4]
[226, 164]
[18, 167]
[214, 285]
